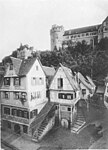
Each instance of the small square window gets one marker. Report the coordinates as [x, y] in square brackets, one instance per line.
[69, 109]
[17, 81]
[6, 95]
[83, 91]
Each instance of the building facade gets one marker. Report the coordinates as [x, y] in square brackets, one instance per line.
[65, 93]
[70, 92]
[23, 94]
[91, 34]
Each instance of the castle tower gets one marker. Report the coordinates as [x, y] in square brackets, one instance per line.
[56, 35]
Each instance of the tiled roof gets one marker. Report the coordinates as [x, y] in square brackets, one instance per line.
[82, 30]
[70, 77]
[49, 71]
[16, 64]
[81, 78]
[41, 116]
[26, 66]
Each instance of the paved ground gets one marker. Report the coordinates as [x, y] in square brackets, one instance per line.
[60, 138]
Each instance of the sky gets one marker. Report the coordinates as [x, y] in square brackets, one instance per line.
[29, 21]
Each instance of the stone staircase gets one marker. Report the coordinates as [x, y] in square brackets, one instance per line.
[40, 130]
[43, 122]
[79, 122]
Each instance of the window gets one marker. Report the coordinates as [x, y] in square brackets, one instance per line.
[19, 113]
[38, 94]
[25, 114]
[40, 81]
[83, 91]
[23, 95]
[14, 112]
[6, 81]
[87, 34]
[17, 95]
[6, 95]
[33, 113]
[25, 128]
[69, 109]
[33, 81]
[69, 96]
[65, 96]
[11, 66]
[6, 110]
[16, 81]
[60, 83]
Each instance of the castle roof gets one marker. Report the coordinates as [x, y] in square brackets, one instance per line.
[82, 30]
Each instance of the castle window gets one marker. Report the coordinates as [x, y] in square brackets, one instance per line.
[6, 81]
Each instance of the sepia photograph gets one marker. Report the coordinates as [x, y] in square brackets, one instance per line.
[53, 74]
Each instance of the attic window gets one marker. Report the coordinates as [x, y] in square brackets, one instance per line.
[6, 81]
[11, 66]
[83, 91]
[60, 83]
[16, 81]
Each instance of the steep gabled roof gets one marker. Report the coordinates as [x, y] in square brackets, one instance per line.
[49, 71]
[26, 66]
[91, 82]
[83, 80]
[82, 30]
[70, 77]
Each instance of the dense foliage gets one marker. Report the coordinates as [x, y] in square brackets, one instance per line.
[89, 60]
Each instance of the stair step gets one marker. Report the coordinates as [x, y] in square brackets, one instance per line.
[77, 125]
[80, 121]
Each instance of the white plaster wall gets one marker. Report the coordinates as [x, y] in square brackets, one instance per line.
[38, 102]
[66, 84]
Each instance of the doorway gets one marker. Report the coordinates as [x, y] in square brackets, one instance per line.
[17, 128]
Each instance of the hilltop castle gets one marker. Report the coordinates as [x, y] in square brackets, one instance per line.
[91, 34]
